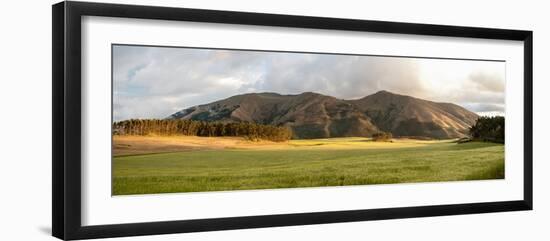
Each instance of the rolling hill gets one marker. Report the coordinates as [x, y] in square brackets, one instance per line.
[312, 115]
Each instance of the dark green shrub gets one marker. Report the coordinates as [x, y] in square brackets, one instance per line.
[488, 129]
[382, 136]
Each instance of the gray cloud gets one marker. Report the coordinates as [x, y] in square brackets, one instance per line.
[154, 82]
[341, 76]
[488, 81]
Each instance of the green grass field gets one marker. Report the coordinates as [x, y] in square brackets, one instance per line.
[308, 163]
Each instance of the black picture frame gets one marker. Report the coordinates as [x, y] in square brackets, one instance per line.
[66, 127]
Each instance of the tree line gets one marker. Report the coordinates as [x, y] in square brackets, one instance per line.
[251, 131]
[488, 129]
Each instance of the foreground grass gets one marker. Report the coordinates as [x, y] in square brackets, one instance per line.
[309, 164]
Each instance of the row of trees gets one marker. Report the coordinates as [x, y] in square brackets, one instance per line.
[248, 130]
[488, 129]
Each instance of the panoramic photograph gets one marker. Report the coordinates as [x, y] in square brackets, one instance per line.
[198, 119]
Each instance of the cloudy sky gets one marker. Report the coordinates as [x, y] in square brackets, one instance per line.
[154, 82]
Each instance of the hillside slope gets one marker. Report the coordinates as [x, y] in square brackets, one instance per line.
[312, 115]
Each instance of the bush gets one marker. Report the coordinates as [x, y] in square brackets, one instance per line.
[488, 129]
[382, 136]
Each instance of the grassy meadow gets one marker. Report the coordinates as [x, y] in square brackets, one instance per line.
[143, 165]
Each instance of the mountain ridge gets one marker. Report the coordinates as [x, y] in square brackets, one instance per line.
[314, 115]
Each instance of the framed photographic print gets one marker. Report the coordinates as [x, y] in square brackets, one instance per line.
[169, 120]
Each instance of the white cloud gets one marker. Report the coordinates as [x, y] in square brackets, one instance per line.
[154, 82]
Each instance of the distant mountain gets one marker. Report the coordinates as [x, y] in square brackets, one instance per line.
[312, 115]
